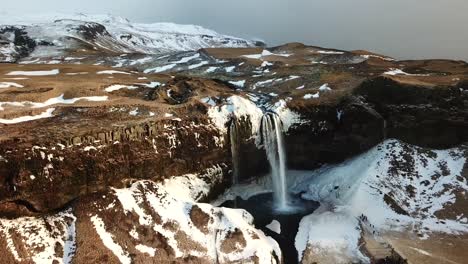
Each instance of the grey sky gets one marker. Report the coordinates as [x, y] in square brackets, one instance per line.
[400, 28]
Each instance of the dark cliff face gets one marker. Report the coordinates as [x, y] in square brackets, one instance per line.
[426, 116]
[332, 133]
[252, 159]
[43, 178]
[435, 117]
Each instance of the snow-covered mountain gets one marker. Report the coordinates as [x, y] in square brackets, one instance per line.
[49, 35]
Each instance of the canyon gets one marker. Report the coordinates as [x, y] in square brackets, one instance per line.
[121, 151]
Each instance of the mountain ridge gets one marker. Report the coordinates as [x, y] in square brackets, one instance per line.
[54, 34]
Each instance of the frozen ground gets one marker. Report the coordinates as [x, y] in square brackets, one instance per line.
[392, 187]
[152, 219]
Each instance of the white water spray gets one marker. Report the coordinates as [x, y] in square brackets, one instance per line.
[272, 134]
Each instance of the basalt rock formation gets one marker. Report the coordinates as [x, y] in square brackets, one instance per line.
[170, 132]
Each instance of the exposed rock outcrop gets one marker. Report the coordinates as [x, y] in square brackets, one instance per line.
[14, 43]
[146, 222]
[423, 114]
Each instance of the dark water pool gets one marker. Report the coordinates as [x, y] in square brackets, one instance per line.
[264, 212]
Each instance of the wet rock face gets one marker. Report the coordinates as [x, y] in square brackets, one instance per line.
[252, 160]
[379, 108]
[331, 134]
[425, 116]
[430, 117]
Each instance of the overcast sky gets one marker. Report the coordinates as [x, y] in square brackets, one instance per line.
[400, 28]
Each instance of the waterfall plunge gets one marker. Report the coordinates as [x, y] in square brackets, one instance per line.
[234, 140]
[272, 134]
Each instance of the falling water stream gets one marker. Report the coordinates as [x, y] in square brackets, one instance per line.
[287, 209]
[384, 132]
[272, 134]
[234, 138]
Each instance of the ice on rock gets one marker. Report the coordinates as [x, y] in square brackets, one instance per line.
[366, 179]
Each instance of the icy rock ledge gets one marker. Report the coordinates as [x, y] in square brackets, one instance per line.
[143, 223]
[397, 187]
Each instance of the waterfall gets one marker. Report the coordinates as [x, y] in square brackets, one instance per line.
[272, 135]
[234, 140]
[384, 132]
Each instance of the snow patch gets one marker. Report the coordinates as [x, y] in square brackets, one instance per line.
[309, 96]
[145, 249]
[229, 69]
[274, 226]
[198, 65]
[330, 52]
[173, 64]
[160, 68]
[235, 106]
[47, 113]
[39, 236]
[134, 112]
[240, 83]
[10, 84]
[266, 53]
[35, 73]
[288, 117]
[400, 72]
[113, 72]
[109, 242]
[325, 88]
[76, 73]
[333, 235]
[187, 59]
[116, 87]
[208, 100]
[54, 101]
[211, 69]
[367, 56]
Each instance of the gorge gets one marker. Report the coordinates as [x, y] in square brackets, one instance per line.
[116, 147]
